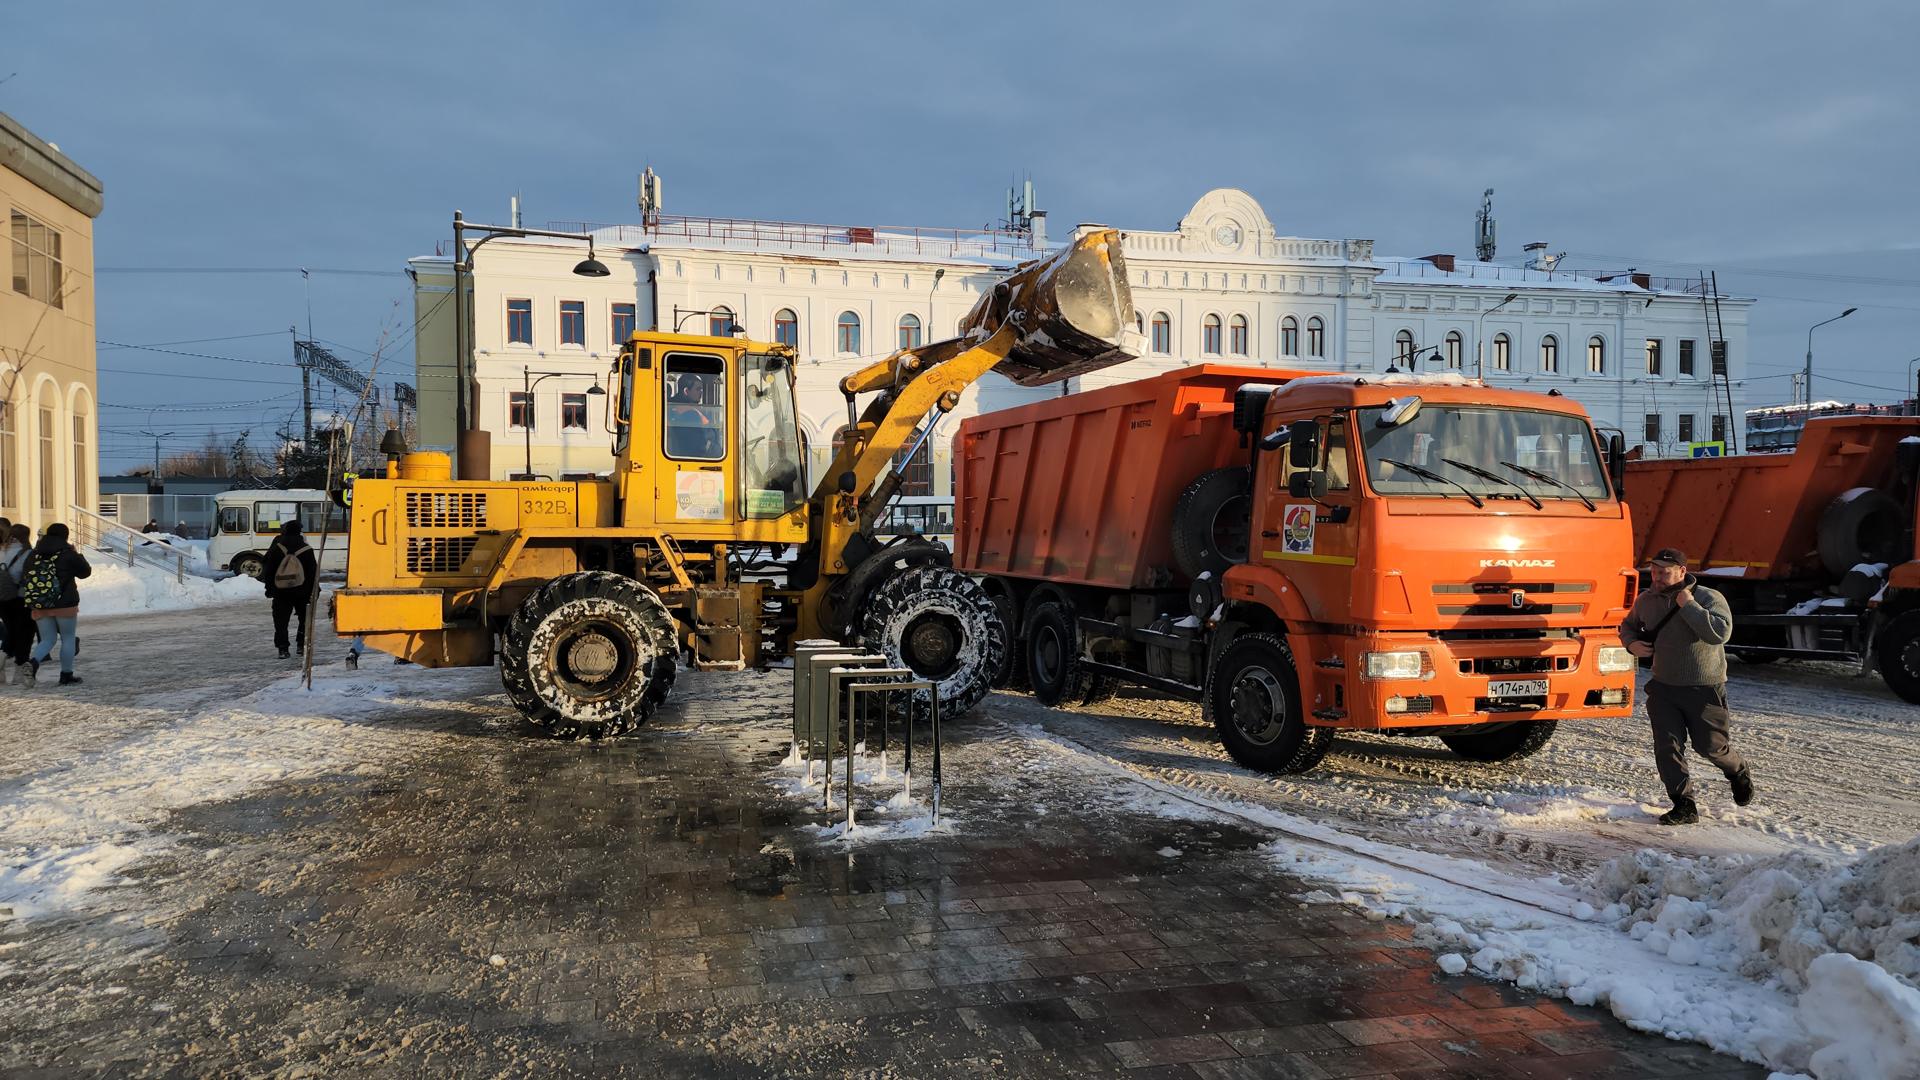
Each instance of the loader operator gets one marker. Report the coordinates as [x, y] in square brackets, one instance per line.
[1684, 627]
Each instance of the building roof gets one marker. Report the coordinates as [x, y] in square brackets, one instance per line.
[47, 168]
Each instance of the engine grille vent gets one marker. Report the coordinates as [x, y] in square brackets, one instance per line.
[447, 510]
[438, 554]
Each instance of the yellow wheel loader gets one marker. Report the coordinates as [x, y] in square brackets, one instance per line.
[704, 543]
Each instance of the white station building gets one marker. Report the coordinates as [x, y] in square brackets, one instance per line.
[1221, 287]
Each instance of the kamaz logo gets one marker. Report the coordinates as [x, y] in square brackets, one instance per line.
[1517, 563]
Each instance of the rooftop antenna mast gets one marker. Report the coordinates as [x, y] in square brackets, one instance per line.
[1483, 245]
[649, 199]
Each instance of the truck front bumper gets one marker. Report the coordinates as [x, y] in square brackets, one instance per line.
[1463, 683]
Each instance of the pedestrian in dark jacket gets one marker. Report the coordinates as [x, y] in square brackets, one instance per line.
[1684, 627]
[49, 587]
[15, 619]
[289, 569]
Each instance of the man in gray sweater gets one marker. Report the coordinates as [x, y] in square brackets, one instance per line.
[1684, 626]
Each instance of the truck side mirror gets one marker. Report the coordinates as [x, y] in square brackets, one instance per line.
[1303, 443]
[1300, 485]
[1617, 462]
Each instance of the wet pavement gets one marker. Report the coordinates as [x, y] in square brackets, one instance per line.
[650, 906]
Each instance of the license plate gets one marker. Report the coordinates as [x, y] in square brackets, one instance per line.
[1517, 688]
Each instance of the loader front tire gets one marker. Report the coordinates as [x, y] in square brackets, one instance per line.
[589, 654]
[940, 624]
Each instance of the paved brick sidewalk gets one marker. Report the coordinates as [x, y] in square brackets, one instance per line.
[650, 907]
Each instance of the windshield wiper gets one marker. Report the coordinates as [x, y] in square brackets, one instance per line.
[1429, 474]
[1554, 480]
[1496, 478]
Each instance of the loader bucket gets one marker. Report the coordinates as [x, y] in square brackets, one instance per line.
[1075, 309]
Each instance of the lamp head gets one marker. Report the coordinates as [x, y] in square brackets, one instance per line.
[591, 267]
[1848, 312]
[595, 388]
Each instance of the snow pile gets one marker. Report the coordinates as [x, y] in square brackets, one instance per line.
[904, 814]
[1866, 1022]
[118, 589]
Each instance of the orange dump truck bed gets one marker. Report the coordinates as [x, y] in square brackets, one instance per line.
[1103, 467]
[1762, 514]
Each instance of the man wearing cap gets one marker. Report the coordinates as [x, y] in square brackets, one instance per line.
[1684, 626]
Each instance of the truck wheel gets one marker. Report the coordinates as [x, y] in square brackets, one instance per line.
[1862, 525]
[1013, 658]
[248, 563]
[1212, 523]
[1509, 743]
[1253, 701]
[939, 623]
[1053, 656]
[589, 654]
[1899, 655]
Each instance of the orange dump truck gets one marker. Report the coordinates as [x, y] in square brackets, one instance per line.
[1814, 548]
[1306, 553]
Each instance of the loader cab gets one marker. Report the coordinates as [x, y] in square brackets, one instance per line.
[707, 439]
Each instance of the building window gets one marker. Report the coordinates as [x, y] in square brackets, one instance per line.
[1653, 356]
[6, 457]
[1403, 348]
[909, 331]
[621, 326]
[573, 322]
[1719, 428]
[46, 459]
[1549, 353]
[520, 322]
[1210, 336]
[520, 410]
[1596, 355]
[720, 321]
[1456, 347]
[917, 477]
[1502, 353]
[1237, 335]
[1289, 336]
[573, 412]
[1162, 334]
[80, 470]
[37, 267]
[786, 328]
[846, 334]
[1140, 323]
[1686, 428]
[1316, 338]
[1653, 429]
[1686, 357]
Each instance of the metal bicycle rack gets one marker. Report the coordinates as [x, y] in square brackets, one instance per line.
[834, 686]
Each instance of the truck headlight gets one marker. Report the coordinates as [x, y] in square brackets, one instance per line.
[1393, 665]
[1613, 659]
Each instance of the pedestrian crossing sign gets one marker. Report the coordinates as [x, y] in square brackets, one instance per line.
[1716, 448]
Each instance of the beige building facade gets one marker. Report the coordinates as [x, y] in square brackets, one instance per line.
[49, 402]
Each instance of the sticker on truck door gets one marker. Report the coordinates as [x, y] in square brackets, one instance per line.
[1296, 529]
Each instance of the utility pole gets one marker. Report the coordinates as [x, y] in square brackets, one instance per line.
[306, 388]
[156, 437]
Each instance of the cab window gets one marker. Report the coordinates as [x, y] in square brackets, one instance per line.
[235, 519]
[695, 425]
[1333, 471]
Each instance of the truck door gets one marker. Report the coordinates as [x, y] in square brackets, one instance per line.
[1313, 538]
[691, 483]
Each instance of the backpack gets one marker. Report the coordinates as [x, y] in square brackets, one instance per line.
[291, 573]
[9, 588]
[40, 587]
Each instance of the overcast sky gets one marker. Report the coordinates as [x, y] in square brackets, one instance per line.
[1743, 136]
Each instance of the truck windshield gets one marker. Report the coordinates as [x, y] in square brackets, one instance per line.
[771, 479]
[1530, 450]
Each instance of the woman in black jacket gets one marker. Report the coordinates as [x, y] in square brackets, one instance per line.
[49, 586]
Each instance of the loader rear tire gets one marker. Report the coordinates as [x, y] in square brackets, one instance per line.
[1013, 659]
[1212, 523]
[940, 624]
[1510, 743]
[1253, 701]
[589, 654]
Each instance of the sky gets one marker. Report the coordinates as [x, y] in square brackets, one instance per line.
[1772, 142]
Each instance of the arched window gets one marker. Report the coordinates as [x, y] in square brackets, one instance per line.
[909, 331]
[786, 328]
[1456, 350]
[1162, 333]
[83, 471]
[1502, 353]
[1237, 335]
[1139, 322]
[1316, 338]
[1403, 347]
[1210, 336]
[1596, 355]
[720, 321]
[1549, 353]
[846, 334]
[1289, 336]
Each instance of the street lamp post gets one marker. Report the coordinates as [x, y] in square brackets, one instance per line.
[1913, 380]
[1480, 335]
[529, 382]
[473, 448]
[1806, 379]
[156, 436]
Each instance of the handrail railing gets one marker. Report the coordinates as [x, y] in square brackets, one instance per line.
[105, 534]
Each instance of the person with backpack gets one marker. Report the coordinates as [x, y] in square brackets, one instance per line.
[49, 588]
[16, 622]
[290, 570]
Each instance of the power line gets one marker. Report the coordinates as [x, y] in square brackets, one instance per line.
[193, 341]
[243, 270]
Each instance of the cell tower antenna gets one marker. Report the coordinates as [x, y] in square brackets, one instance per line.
[1483, 245]
[649, 198]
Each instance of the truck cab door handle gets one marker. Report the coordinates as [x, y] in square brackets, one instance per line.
[1269, 534]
